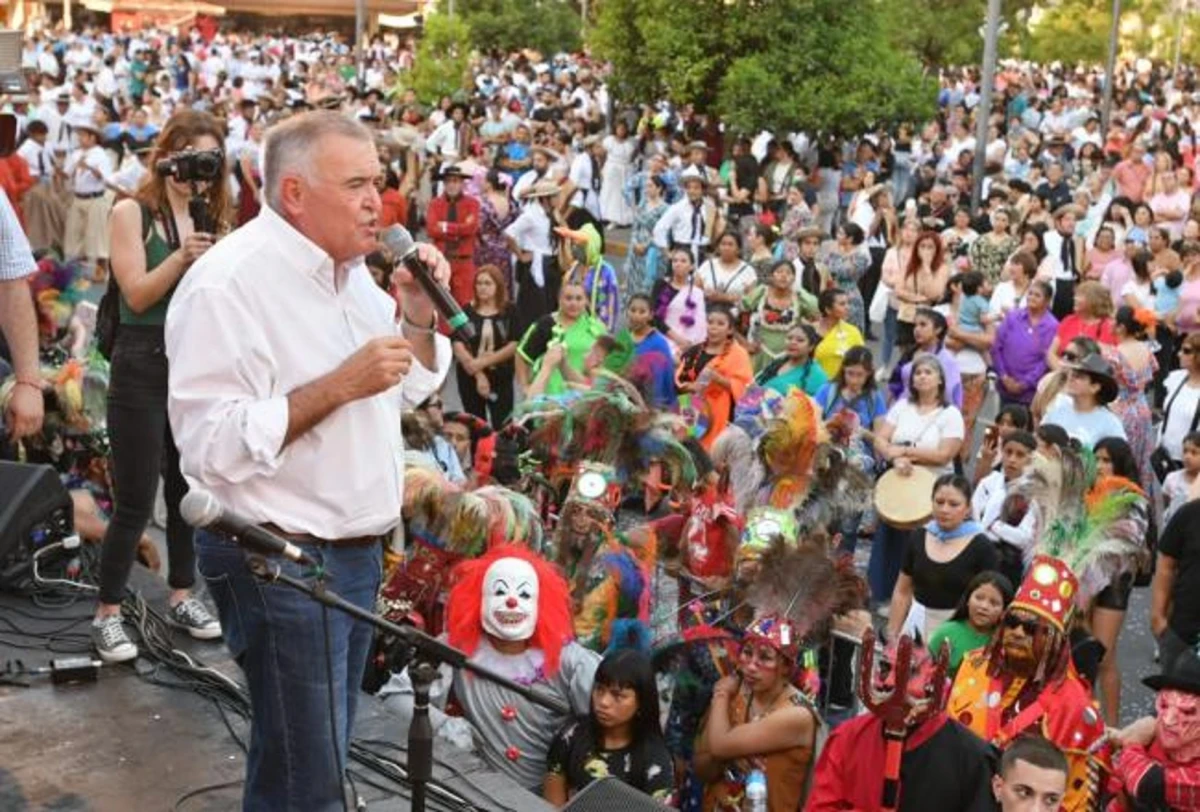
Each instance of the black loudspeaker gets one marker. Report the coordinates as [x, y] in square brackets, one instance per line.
[613, 795]
[35, 509]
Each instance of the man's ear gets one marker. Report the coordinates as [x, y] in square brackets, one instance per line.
[997, 785]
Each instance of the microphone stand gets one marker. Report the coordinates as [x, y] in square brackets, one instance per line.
[428, 653]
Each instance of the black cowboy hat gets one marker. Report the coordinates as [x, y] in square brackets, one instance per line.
[1100, 371]
[1181, 675]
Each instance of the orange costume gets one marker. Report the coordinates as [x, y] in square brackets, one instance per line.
[999, 706]
[453, 225]
[713, 402]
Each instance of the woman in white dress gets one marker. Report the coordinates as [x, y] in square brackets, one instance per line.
[614, 210]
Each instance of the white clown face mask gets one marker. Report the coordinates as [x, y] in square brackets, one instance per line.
[510, 599]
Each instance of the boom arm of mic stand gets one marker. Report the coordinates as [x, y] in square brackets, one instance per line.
[432, 648]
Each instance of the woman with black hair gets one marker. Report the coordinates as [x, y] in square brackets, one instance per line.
[929, 336]
[847, 263]
[1116, 473]
[620, 738]
[1134, 367]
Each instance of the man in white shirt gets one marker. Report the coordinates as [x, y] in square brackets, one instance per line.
[583, 179]
[18, 321]
[692, 222]
[88, 171]
[288, 372]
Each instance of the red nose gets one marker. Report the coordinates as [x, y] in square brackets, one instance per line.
[511, 603]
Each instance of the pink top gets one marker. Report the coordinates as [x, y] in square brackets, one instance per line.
[1131, 179]
[1098, 260]
[1114, 276]
[1189, 302]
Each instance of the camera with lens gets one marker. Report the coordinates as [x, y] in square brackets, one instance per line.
[193, 166]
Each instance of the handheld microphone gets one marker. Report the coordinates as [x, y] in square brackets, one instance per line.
[201, 509]
[400, 243]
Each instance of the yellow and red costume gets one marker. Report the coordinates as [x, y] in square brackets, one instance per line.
[998, 706]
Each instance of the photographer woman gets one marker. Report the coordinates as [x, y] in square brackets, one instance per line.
[153, 243]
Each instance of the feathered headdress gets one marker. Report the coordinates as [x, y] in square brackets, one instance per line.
[466, 523]
[798, 589]
[617, 609]
[1095, 525]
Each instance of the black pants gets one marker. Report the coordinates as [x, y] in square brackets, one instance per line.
[502, 391]
[870, 280]
[1063, 303]
[142, 449]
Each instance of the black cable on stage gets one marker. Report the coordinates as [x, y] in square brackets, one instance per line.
[196, 793]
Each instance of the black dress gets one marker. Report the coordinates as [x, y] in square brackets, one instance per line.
[491, 333]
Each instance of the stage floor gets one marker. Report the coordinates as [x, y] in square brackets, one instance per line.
[123, 744]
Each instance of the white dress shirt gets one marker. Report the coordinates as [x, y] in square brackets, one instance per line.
[35, 155]
[587, 195]
[16, 260]
[84, 182]
[685, 224]
[255, 318]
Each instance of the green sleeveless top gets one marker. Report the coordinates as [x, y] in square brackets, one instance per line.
[157, 250]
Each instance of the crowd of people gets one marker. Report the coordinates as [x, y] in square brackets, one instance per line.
[670, 451]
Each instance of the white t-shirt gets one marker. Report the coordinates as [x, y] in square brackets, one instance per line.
[925, 431]
[1142, 291]
[1177, 421]
[1088, 428]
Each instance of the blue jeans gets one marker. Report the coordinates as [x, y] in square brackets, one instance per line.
[887, 554]
[276, 634]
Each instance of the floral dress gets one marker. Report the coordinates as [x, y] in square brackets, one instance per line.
[845, 270]
[491, 249]
[988, 256]
[642, 272]
[1134, 410]
[797, 218]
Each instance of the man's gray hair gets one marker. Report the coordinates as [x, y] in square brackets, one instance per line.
[290, 145]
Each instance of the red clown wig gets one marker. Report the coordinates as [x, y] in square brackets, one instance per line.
[464, 623]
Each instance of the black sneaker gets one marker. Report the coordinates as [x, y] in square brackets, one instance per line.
[190, 614]
[111, 642]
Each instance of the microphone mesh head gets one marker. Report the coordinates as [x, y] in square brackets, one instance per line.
[200, 508]
[397, 240]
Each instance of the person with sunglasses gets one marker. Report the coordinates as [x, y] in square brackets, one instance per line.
[1024, 681]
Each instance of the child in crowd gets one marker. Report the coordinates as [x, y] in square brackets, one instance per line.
[621, 737]
[973, 309]
[1011, 417]
[1004, 514]
[1178, 483]
[974, 620]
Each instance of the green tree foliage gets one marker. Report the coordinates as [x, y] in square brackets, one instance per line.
[812, 64]
[946, 32]
[441, 66]
[548, 26]
[1072, 31]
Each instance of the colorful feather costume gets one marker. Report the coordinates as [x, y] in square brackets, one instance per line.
[779, 453]
[1096, 525]
[446, 525]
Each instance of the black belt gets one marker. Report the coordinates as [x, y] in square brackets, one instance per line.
[88, 195]
[305, 538]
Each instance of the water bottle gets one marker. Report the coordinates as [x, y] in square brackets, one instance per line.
[756, 792]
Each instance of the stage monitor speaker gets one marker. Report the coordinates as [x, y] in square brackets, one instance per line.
[613, 795]
[35, 509]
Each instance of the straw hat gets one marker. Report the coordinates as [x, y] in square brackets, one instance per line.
[542, 188]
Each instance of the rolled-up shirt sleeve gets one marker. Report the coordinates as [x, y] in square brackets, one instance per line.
[421, 382]
[229, 421]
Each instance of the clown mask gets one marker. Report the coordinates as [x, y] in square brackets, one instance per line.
[510, 600]
[1178, 728]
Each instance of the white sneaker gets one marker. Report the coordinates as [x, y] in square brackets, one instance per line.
[190, 614]
[111, 642]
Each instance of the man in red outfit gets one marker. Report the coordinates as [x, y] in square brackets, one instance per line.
[941, 765]
[452, 222]
[1157, 763]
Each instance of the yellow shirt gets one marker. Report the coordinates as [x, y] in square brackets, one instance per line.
[834, 345]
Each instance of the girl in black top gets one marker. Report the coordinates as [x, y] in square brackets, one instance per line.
[621, 737]
[485, 368]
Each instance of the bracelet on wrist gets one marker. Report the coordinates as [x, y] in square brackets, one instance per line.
[420, 328]
[26, 382]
